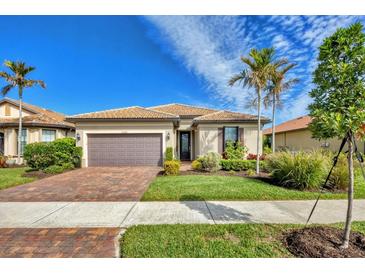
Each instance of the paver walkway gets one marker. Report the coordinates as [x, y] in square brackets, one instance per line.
[86, 184]
[124, 214]
[59, 242]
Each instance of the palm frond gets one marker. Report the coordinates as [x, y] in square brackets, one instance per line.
[5, 90]
[237, 78]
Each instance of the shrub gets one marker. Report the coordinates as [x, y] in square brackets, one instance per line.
[39, 155]
[239, 165]
[301, 170]
[251, 172]
[3, 161]
[169, 156]
[54, 169]
[211, 161]
[234, 151]
[59, 152]
[252, 156]
[267, 150]
[340, 174]
[66, 151]
[196, 165]
[67, 166]
[171, 167]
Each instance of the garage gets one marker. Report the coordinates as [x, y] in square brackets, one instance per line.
[124, 149]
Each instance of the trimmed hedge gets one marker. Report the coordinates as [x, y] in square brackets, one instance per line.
[238, 165]
[171, 167]
[59, 152]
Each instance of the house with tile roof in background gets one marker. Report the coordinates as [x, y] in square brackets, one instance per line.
[39, 125]
[295, 135]
[140, 136]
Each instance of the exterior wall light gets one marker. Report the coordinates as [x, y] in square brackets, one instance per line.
[78, 138]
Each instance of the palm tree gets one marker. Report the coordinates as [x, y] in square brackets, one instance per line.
[17, 78]
[261, 66]
[278, 85]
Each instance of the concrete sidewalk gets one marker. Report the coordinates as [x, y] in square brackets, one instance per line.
[124, 214]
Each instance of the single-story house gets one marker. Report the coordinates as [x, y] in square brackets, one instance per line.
[295, 135]
[140, 136]
[39, 125]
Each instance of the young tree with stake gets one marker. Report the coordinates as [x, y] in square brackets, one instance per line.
[338, 108]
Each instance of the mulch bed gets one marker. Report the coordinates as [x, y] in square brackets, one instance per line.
[39, 174]
[323, 242]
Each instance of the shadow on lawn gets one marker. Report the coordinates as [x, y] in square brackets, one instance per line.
[218, 212]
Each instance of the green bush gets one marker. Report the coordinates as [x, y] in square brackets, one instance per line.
[169, 156]
[239, 165]
[211, 161]
[234, 151]
[66, 151]
[340, 174]
[267, 150]
[171, 167]
[196, 165]
[59, 152]
[54, 169]
[67, 166]
[300, 170]
[251, 172]
[39, 155]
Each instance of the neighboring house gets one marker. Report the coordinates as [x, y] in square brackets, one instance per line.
[39, 125]
[139, 136]
[295, 135]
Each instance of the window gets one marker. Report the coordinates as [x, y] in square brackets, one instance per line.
[48, 135]
[23, 140]
[230, 134]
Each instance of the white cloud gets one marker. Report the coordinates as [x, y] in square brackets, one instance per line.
[210, 47]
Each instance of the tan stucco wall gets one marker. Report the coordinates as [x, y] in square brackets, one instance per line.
[208, 137]
[34, 134]
[302, 140]
[14, 111]
[165, 128]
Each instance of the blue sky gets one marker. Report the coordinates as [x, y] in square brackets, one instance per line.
[98, 62]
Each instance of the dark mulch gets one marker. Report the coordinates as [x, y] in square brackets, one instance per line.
[324, 242]
[39, 174]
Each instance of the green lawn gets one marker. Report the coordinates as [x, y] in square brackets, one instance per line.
[200, 187]
[12, 177]
[208, 241]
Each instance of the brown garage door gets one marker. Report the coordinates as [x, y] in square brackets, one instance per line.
[124, 149]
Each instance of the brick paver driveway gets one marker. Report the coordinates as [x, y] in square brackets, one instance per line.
[86, 184]
[59, 242]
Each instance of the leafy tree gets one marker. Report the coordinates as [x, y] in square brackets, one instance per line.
[259, 67]
[17, 78]
[338, 107]
[278, 85]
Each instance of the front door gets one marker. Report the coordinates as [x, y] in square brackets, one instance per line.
[185, 146]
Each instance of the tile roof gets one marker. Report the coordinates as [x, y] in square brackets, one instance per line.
[228, 116]
[295, 124]
[39, 116]
[183, 110]
[125, 113]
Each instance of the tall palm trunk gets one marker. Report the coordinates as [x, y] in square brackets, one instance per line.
[258, 131]
[350, 195]
[273, 123]
[20, 126]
